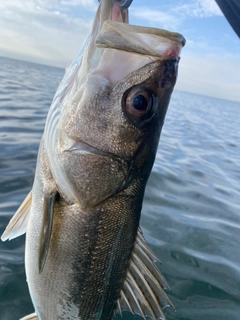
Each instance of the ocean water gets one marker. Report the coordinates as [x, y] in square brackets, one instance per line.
[191, 210]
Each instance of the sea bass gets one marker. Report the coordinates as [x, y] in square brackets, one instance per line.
[86, 257]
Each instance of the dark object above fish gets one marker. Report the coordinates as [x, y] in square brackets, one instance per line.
[231, 10]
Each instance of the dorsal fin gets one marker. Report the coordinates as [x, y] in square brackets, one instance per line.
[18, 224]
[143, 290]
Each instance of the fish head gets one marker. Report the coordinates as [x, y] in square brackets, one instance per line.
[113, 108]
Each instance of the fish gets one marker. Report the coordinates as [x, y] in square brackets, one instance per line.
[85, 254]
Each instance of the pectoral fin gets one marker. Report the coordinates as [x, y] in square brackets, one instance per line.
[143, 290]
[32, 316]
[18, 224]
[45, 235]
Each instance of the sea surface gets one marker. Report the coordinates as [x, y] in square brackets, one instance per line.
[191, 210]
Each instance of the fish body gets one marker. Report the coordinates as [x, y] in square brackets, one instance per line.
[85, 254]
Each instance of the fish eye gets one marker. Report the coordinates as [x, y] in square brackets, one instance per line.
[139, 103]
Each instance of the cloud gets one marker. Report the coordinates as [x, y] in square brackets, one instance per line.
[41, 30]
[208, 74]
[154, 17]
[197, 9]
[171, 17]
[208, 8]
[90, 4]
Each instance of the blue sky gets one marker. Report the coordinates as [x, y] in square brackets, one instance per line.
[52, 31]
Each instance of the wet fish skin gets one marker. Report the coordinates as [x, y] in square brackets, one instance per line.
[96, 154]
[87, 259]
[124, 142]
[92, 245]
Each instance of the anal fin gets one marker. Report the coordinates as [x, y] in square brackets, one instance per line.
[18, 224]
[143, 289]
[46, 231]
[32, 316]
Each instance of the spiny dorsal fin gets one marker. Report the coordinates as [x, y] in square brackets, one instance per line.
[47, 223]
[18, 224]
[142, 291]
[32, 316]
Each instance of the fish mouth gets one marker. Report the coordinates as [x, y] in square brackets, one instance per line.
[115, 32]
[114, 40]
[140, 40]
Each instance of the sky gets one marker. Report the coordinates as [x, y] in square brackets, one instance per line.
[52, 31]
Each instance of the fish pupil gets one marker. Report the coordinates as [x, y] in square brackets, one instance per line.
[140, 103]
